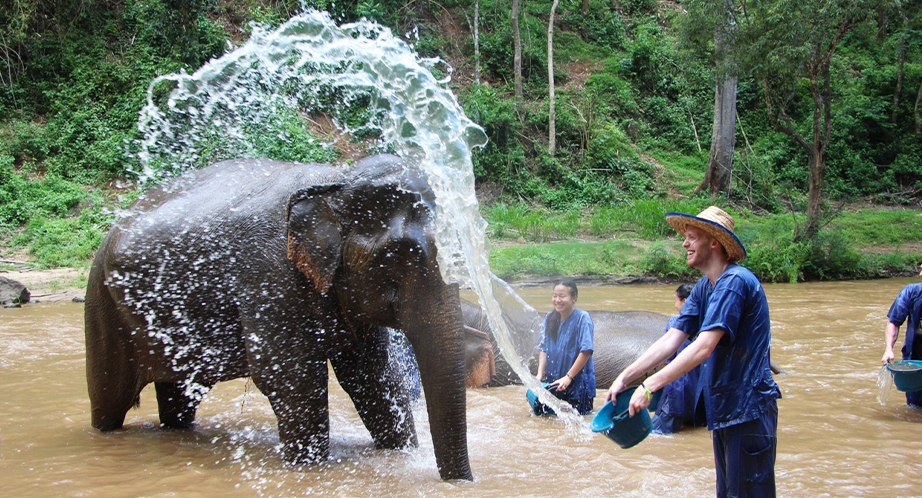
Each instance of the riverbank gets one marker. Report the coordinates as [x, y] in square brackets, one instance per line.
[58, 284]
[68, 284]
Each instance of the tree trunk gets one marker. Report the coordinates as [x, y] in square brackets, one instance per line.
[477, 42]
[585, 7]
[915, 111]
[901, 61]
[517, 51]
[723, 139]
[718, 176]
[552, 128]
[822, 130]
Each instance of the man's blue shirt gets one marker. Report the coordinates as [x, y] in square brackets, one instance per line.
[908, 304]
[737, 377]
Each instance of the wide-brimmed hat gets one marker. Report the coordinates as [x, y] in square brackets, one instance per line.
[717, 223]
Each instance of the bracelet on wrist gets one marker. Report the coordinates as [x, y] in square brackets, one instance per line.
[646, 392]
[568, 376]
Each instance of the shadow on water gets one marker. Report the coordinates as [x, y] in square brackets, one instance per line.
[836, 439]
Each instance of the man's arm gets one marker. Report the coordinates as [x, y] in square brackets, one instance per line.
[656, 354]
[692, 356]
[891, 332]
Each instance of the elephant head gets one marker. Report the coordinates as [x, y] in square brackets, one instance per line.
[368, 242]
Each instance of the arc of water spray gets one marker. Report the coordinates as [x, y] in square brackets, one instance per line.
[419, 117]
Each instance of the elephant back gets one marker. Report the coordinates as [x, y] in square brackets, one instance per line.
[620, 338]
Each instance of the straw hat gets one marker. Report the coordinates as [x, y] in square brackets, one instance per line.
[717, 223]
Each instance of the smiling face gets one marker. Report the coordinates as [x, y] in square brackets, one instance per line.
[563, 300]
[699, 247]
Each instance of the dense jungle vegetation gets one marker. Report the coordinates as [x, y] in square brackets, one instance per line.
[825, 142]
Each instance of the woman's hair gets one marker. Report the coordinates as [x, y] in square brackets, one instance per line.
[570, 285]
[684, 290]
[553, 321]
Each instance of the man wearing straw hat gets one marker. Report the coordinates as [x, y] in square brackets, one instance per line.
[727, 317]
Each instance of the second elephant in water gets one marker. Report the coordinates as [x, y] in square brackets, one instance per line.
[620, 337]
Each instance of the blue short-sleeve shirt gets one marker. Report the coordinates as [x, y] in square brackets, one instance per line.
[908, 304]
[574, 335]
[736, 378]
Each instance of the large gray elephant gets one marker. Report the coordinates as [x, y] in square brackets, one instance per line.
[268, 269]
[620, 338]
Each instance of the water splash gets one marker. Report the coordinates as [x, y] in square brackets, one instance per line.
[884, 385]
[306, 64]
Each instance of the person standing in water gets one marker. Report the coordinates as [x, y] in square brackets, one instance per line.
[565, 352]
[908, 304]
[727, 317]
[678, 402]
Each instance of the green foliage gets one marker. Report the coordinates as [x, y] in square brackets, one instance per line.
[773, 255]
[519, 220]
[663, 261]
[22, 199]
[602, 25]
[57, 242]
[521, 261]
[503, 155]
[635, 90]
[644, 218]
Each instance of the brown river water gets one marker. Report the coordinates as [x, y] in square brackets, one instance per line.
[835, 437]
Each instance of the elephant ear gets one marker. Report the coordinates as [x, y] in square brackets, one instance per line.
[315, 234]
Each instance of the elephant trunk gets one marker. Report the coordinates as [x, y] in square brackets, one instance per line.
[436, 332]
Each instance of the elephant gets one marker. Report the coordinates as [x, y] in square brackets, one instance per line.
[266, 269]
[620, 338]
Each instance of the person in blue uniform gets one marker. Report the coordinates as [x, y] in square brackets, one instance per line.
[565, 353]
[727, 317]
[677, 404]
[907, 305]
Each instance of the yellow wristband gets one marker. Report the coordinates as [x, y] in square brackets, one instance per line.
[646, 392]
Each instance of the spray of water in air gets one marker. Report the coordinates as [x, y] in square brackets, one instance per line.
[311, 65]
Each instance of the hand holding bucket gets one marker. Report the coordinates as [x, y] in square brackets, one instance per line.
[616, 422]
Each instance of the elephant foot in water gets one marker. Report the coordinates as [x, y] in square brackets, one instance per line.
[176, 407]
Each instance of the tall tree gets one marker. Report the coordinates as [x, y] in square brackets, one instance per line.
[552, 118]
[718, 176]
[517, 51]
[789, 46]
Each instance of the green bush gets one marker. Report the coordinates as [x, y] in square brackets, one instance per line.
[661, 261]
[57, 242]
[22, 199]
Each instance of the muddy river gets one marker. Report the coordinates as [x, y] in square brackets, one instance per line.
[835, 437]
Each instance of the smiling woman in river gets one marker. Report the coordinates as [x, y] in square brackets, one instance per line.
[565, 358]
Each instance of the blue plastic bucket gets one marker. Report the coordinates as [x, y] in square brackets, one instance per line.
[907, 375]
[615, 422]
[537, 407]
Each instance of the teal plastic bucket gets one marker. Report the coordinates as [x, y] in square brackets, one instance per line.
[907, 375]
[537, 407]
[615, 422]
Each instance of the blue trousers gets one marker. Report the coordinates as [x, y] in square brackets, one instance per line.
[744, 455]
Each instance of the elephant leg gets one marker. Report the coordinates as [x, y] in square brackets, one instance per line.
[288, 364]
[377, 390]
[177, 408]
[299, 400]
[112, 378]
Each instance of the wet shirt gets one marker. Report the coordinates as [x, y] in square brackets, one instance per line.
[574, 336]
[908, 304]
[736, 378]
